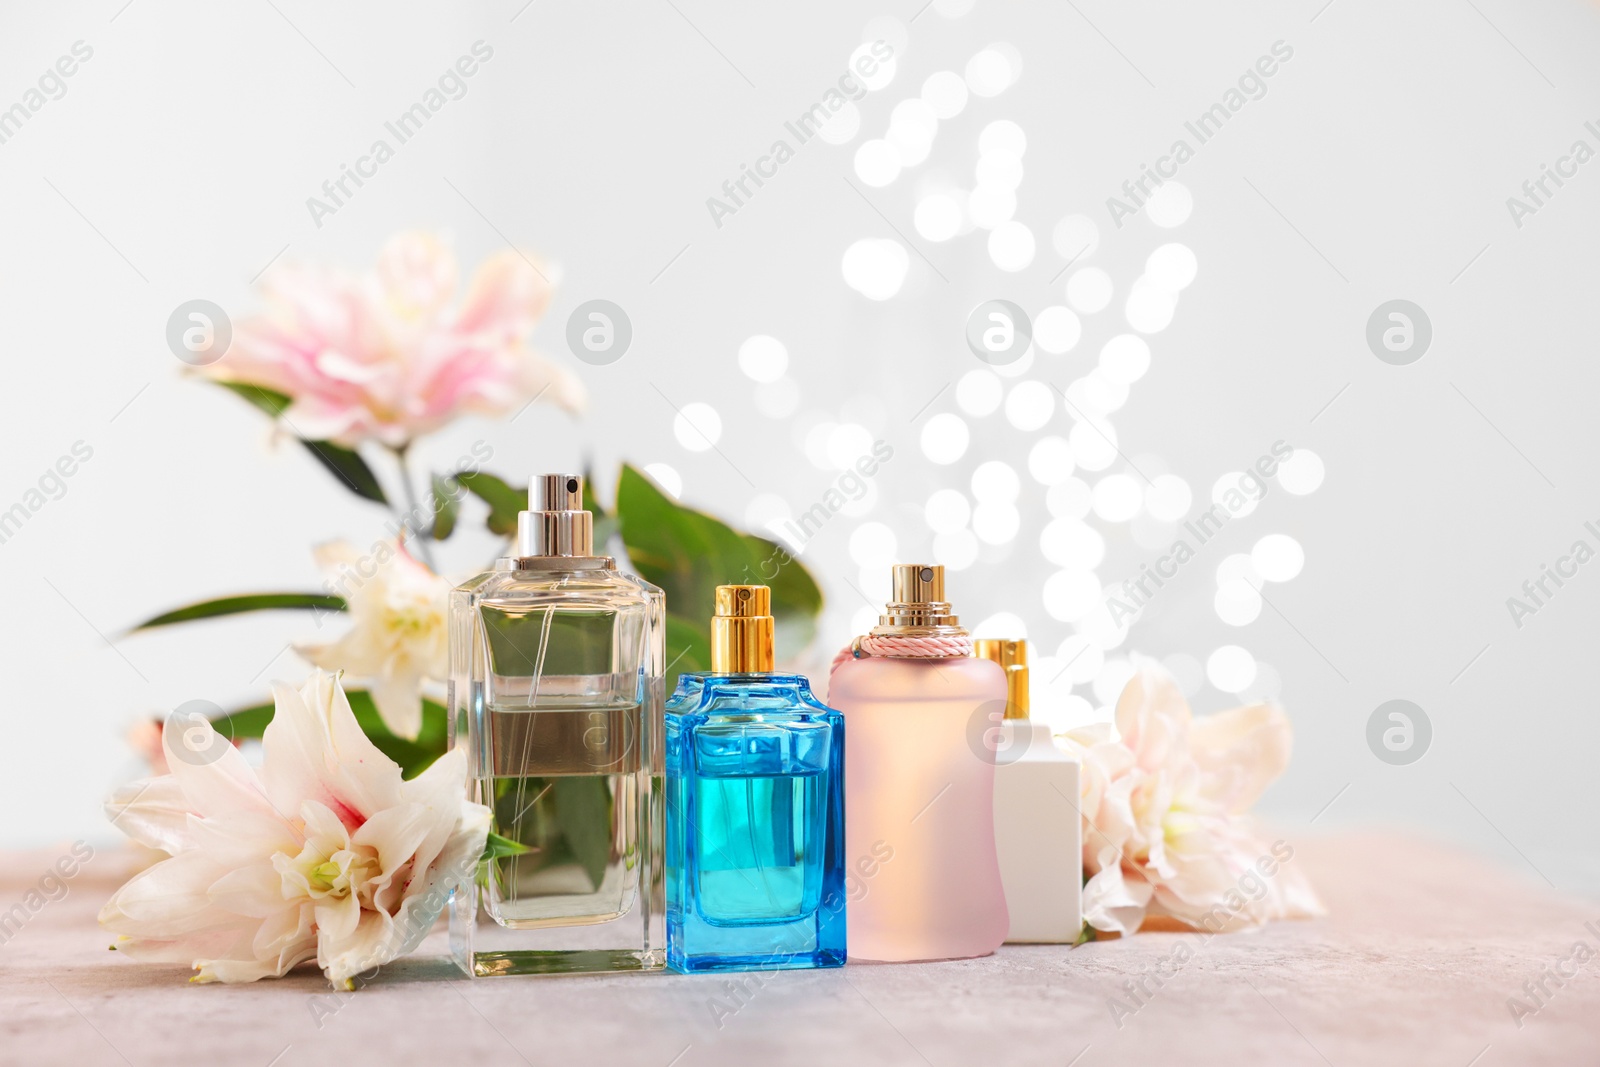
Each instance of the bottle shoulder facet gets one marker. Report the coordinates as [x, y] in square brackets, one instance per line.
[653, 591]
[596, 587]
[704, 696]
[475, 583]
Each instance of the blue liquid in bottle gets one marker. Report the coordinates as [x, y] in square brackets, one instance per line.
[755, 825]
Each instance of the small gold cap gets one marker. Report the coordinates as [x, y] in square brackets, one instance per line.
[918, 583]
[1013, 656]
[742, 630]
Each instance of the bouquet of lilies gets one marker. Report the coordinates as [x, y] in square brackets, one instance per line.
[344, 844]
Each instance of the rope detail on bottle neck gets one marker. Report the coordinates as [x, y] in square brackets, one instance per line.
[904, 648]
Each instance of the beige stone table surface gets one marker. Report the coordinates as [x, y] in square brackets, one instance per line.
[1415, 963]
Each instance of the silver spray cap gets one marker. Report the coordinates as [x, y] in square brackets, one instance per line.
[555, 523]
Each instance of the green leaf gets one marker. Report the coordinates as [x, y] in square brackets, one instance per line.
[591, 502]
[414, 757]
[688, 648]
[689, 553]
[497, 847]
[505, 503]
[583, 802]
[244, 723]
[604, 530]
[346, 464]
[606, 525]
[569, 643]
[271, 401]
[446, 507]
[235, 605]
[796, 597]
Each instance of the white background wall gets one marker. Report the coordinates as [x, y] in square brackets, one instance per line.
[1376, 167]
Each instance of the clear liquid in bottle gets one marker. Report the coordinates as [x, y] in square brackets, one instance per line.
[563, 783]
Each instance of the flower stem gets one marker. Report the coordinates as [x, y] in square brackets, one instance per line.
[412, 525]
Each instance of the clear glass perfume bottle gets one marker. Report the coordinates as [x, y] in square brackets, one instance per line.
[556, 696]
[921, 780]
[1038, 835]
[755, 807]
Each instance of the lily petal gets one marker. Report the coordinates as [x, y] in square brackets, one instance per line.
[1241, 752]
[152, 811]
[314, 749]
[1114, 903]
[214, 778]
[398, 699]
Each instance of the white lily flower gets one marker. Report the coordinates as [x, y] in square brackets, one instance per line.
[326, 854]
[399, 637]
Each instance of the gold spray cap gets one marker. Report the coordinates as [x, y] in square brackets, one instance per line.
[741, 630]
[918, 606]
[1013, 656]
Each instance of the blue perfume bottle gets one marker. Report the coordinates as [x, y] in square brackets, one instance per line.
[755, 807]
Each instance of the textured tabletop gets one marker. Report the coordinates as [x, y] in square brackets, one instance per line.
[1422, 949]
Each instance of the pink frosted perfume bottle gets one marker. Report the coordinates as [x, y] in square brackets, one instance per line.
[919, 780]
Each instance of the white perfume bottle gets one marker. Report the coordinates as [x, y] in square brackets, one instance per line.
[1037, 827]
